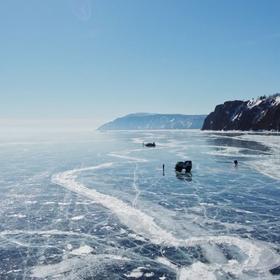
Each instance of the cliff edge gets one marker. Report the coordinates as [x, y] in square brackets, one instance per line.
[262, 113]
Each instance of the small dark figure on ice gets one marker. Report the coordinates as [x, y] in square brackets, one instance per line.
[150, 145]
[235, 163]
[163, 173]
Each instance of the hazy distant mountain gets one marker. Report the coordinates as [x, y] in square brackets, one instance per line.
[154, 121]
[259, 114]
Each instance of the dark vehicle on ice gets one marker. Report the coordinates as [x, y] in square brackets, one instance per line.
[183, 166]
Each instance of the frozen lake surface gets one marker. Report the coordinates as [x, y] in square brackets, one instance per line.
[97, 206]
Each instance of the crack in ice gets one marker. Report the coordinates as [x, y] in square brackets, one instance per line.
[259, 257]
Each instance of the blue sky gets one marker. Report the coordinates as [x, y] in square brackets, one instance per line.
[82, 59]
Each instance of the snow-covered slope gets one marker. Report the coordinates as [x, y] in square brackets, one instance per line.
[155, 121]
[259, 114]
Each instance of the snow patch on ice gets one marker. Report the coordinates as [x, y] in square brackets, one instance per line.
[83, 250]
[71, 265]
[197, 270]
[77, 218]
[123, 156]
[149, 274]
[48, 203]
[136, 237]
[20, 216]
[135, 273]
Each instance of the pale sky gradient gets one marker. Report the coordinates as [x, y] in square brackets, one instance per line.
[96, 60]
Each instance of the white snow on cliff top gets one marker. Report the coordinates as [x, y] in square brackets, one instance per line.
[274, 99]
[277, 99]
[252, 103]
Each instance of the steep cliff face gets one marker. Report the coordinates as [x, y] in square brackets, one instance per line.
[155, 121]
[259, 114]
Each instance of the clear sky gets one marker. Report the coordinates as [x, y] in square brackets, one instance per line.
[83, 59]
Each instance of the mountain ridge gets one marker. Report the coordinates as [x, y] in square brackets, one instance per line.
[138, 121]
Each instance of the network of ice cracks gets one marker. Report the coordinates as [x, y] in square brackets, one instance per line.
[82, 232]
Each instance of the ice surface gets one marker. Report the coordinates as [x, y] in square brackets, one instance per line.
[130, 216]
[83, 250]
[267, 164]
[79, 209]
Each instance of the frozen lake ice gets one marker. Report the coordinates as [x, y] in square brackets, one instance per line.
[97, 206]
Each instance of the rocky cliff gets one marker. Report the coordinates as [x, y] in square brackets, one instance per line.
[260, 114]
[155, 121]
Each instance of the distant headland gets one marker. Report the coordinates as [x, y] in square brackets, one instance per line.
[143, 121]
